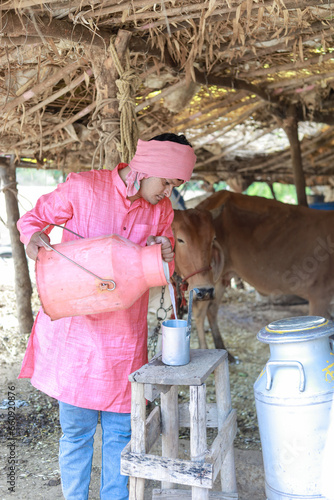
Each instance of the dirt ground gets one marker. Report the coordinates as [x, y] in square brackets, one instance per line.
[34, 443]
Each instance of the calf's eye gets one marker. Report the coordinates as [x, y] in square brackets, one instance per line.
[180, 240]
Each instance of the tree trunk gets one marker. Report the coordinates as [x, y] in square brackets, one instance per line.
[106, 74]
[290, 125]
[23, 287]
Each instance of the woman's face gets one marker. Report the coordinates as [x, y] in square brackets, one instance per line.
[154, 189]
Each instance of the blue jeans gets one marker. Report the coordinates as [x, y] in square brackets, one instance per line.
[76, 451]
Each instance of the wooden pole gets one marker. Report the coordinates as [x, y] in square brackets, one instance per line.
[106, 74]
[23, 287]
[224, 407]
[170, 427]
[138, 436]
[198, 446]
[290, 125]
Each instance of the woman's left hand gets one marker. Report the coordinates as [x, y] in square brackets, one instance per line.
[166, 246]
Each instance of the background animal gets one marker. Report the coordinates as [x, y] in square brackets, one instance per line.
[198, 261]
[276, 247]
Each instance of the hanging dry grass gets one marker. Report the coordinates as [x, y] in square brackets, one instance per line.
[264, 54]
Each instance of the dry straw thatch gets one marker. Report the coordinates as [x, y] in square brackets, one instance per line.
[229, 74]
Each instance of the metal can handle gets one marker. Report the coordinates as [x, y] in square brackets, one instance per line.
[297, 364]
[105, 283]
[331, 343]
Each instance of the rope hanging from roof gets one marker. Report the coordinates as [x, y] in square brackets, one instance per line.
[98, 123]
[127, 84]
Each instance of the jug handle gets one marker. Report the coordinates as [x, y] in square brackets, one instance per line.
[104, 285]
[297, 364]
[61, 227]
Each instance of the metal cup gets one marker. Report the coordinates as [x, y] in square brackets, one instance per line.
[176, 338]
[175, 342]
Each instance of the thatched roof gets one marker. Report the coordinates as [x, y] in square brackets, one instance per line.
[227, 73]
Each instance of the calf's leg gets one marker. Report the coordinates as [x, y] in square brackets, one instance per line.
[213, 319]
[218, 340]
[213, 322]
[199, 314]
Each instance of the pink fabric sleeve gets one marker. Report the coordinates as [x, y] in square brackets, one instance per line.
[51, 208]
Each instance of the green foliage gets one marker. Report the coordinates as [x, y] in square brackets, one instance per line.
[218, 186]
[259, 189]
[285, 193]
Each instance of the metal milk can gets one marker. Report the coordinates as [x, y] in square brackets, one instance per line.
[293, 396]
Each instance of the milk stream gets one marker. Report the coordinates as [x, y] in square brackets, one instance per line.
[172, 298]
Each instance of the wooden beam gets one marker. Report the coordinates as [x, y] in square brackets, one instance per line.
[23, 289]
[140, 465]
[138, 438]
[290, 126]
[223, 443]
[187, 495]
[106, 73]
[169, 427]
[224, 407]
[198, 446]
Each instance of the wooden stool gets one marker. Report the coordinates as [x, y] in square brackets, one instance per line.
[201, 471]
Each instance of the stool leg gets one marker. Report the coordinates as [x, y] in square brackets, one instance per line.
[224, 406]
[198, 446]
[170, 427]
[138, 436]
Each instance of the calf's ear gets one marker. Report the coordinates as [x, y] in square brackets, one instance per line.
[217, 261]
[216, 212]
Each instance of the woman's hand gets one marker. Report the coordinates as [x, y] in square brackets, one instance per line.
[166, 246]
[36, 241]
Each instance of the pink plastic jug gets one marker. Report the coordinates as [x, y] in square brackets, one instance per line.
[95, 275]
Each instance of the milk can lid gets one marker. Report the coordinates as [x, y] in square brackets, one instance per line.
[296, 329]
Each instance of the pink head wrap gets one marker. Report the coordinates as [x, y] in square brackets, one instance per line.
[165, 159]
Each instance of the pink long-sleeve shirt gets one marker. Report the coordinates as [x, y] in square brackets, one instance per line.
[85, 360]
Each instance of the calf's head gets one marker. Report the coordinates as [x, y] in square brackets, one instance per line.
[199, 258]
